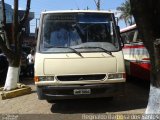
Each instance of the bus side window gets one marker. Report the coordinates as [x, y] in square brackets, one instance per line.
[125, 38]
[139, 37]
[131, 35]
[135, 36]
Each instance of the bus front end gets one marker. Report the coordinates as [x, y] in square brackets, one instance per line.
[78, 56]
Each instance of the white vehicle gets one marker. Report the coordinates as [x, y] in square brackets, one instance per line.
[79, 55]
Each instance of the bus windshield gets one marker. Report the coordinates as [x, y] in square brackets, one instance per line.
[84, 32]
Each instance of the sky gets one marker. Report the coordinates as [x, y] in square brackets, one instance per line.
[37, 6]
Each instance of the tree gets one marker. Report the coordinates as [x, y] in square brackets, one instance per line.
[126, 13]
[98, 4]
[147, 17]
[13, 56]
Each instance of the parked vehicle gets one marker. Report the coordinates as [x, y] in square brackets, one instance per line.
[24, 62]
[3, 68]
[23, 65]
[136, 56]
[78, 55]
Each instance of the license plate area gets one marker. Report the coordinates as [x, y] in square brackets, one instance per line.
[82, 91]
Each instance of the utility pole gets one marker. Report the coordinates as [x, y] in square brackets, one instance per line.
[98, 4]
[87, 8]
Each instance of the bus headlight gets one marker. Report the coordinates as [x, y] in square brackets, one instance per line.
[116, 75]
[44, 78]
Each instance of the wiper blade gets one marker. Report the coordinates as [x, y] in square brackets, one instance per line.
[75, 51]
[106, 51]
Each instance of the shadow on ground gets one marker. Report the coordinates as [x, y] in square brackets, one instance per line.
[136, 98]
[30, 82]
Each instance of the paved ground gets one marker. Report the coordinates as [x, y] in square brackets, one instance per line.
[135, 101]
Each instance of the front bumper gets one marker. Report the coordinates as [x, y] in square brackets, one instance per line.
[66, 92]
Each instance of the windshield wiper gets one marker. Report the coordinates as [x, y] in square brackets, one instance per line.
[75, 51]
[106, 51]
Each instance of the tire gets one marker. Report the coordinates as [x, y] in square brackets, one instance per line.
[50, 101]
[109, 98]
[55, 101]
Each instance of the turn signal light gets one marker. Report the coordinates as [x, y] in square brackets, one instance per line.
[36, 79]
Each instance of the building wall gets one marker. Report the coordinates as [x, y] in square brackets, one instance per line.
[9, 17]
[27, 24]
[9, 13]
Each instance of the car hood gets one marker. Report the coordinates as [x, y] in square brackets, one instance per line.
[72, 64]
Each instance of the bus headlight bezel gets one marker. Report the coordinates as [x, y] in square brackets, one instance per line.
[116, 76]
[46, 78]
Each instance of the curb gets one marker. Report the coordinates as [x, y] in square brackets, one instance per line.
[21, 90]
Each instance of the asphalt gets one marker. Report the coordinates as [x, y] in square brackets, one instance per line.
[134, 102]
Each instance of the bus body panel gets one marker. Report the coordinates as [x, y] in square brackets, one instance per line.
[62, 64]
[137, 60]
[136, 56]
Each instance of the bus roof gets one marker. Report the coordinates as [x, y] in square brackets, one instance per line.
[128, 28]
[77, 11]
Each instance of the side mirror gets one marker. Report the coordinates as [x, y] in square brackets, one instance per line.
[36, 33]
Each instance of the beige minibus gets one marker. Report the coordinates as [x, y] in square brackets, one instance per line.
[79, 55]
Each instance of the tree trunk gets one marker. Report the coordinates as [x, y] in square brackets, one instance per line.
[147, 17]
[12, 78]
[14, 62]
[13, 73]
[13, 56]
[153, 106]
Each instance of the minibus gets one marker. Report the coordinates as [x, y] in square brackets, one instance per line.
[79, 55]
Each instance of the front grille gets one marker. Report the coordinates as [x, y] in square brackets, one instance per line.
[81, 77]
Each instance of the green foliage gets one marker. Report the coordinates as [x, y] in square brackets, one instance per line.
[126, 13]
